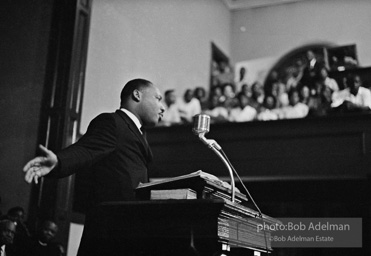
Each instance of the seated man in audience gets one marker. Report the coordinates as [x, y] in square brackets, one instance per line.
[171, 115]
[296, 109]
[217, 112]
[275, 87]
[17, 215]
[282, 96]
[189, 107]
[243, 112]
[268, 110]
[229, 99]
[353, 98]
[225, 74]
[327, 81]
[257, 95]
[216, 93]
[200, 94]
[7, 233]
[44, 244]
[319, 103]
[246, 89]
[304, 94]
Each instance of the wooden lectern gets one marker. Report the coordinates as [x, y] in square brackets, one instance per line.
[202, 227]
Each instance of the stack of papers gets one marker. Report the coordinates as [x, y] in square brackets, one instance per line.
[173, 194]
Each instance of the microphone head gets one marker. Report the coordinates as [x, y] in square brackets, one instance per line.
[201, 124]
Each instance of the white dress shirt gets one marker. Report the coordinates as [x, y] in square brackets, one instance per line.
[134, 118]
[2, 250]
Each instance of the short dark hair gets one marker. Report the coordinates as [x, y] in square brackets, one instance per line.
[135, 84]
[351, 79]
[3, 224]
[167, 92]
[15, 209]
[292, 91]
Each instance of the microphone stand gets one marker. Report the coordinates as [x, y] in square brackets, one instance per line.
[214, 146]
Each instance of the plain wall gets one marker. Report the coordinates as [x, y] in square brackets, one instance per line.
[165, 41]
[279, 29]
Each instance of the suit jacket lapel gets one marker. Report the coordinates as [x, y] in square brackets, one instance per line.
[134, 129]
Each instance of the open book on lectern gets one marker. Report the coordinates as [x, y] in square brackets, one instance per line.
[206, 185]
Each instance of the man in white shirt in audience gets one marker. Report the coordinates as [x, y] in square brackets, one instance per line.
[296, 109]
[171, 115]
[243, 112]
[189, 107]
[354, 98]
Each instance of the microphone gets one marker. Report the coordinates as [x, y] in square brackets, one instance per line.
[201, 126]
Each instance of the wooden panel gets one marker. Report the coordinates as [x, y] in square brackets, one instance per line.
[325, 147]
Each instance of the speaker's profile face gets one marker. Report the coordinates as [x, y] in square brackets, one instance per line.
[152, 108]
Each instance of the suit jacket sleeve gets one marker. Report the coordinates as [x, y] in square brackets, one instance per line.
[99, 141]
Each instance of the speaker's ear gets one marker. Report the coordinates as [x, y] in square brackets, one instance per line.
[136, 95]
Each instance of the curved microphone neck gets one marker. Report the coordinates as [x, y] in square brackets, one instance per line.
[208, 142]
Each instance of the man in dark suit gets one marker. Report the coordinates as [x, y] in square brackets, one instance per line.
[7, 233]
[311, 69]
[43, 243]
[113, 150]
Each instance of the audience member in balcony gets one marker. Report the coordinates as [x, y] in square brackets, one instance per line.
[225, 75]
[246, 89]
[272, 82]
[326, 102]
[296, 109]
[354, 98]
[310, 70]
[268, 110]
[200, 94]
[216, 92]
[189, 106]
[304, 94]
[343, 83]
[228, 98]
[282, 96]
[214, 73]
[327, 81]
[241, 79]
[277, 88]
[171, 115]
[294, 75]
[257, 96]
[243, 112]
[217, 113]
[320, 103]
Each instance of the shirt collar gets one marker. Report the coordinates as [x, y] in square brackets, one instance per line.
[133, 118]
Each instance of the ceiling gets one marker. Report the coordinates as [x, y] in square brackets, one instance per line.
[249, 4]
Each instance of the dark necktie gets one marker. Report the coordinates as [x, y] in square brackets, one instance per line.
[144, 134]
